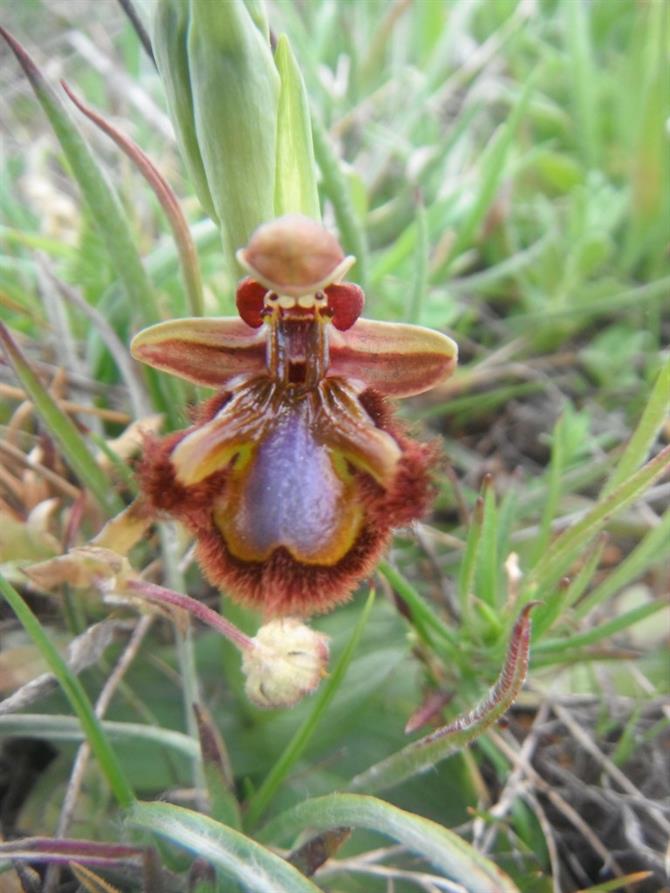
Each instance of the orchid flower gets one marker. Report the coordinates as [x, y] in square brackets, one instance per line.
[295, 473]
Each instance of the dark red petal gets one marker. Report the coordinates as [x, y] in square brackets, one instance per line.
[345, 302]
[249, 298]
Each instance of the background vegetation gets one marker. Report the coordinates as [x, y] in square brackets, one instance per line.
[503, 177]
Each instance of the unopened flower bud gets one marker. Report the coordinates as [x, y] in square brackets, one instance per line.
[287, 662]
[223, 90]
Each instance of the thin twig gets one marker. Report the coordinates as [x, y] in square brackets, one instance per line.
[483, 836]
[561, 805]
[84, 751]
[126, 366]
[63, 486]
[121, 84]
[107, 415]
[549, 838]
[420, 878]
[589, 745]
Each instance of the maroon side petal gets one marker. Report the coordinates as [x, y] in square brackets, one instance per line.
[207, 351]
[395, 359]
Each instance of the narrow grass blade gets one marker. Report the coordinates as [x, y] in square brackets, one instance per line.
[487, 570]
[466, 574]
[218, 774]
[493, 167]
[188, 256]
[618, 883]
[296, 746]
[61, 427]
[653, 549]
[237, 856]
[423, 617]
[553, 492]
[569, 544]
[90, 881]
[602, 631]
[420, 284]
[101, 199]
[74, 690]
[567, 592]
[584, 81]
[336, 188]
[654, 416]
[295, 182]
[426, 752]
[439, 846]
[55, 727]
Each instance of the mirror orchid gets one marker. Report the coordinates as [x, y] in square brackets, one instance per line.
[295, 473]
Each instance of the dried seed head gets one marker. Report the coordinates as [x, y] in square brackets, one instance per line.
[294, 255]
[287, 662]
[81, 568]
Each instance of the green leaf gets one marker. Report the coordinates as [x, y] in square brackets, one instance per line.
[55, 727]
[651, 550]
[420, 284]
[295, 178]
[486, 576]
[336, 187]
[439, 846]
[424, 618]
[584, 82]
[654, 416]
[602, 630]
[237, 856]
[468, 567]
[101, 198]
[75, 693]
[571, 542]
[61, 427]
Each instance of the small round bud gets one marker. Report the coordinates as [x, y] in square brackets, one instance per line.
[287, 662]
[294, 255]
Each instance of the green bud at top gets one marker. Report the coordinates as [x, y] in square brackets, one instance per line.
[223, 90]
[170, 49]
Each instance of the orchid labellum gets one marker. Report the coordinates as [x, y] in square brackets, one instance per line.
[295, 473]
